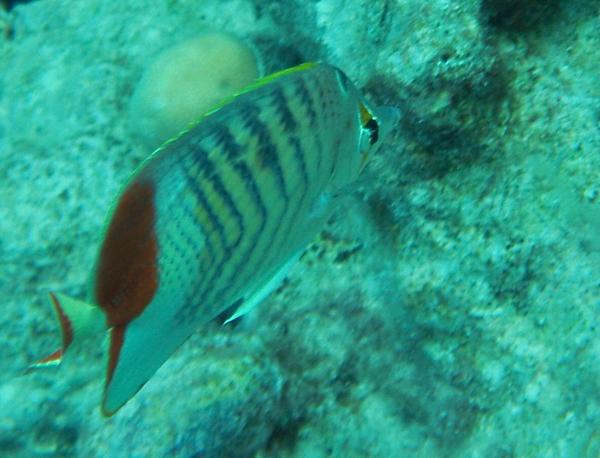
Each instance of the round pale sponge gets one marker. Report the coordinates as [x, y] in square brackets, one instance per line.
[185, 81]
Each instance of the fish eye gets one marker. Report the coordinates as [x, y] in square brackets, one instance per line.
[369, 124]
[373, 127]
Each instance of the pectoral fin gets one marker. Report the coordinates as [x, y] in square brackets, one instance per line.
[261, 293]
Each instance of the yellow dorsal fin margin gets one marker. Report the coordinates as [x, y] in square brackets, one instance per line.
[265, 80]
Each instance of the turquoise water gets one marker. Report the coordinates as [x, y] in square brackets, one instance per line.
[450, 306]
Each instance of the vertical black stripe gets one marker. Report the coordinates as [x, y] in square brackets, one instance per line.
[199, 167]
[267, 154]
[198, 193]
[208, 171]
[247, 118]
[223, 138]
[303, 95]
[280, 102]
[190, 253]
[233, 145]
[298, 155]
[188, 309]
[191, 245]
[250, 182]
[291, 126]
[204, 293]
[309, 104]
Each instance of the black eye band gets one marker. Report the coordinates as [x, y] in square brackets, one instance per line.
[373, 130]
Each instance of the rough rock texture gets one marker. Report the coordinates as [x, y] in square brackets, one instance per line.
[451, 306]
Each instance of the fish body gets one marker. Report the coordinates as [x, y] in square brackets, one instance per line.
[216, 216]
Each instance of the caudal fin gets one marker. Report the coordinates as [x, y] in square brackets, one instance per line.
[77, 320]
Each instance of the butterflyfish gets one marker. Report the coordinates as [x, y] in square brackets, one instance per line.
[216, 216]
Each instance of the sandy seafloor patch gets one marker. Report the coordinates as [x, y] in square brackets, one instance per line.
[451, 306]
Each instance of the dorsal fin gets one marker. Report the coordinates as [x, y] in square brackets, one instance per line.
[264, 81]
